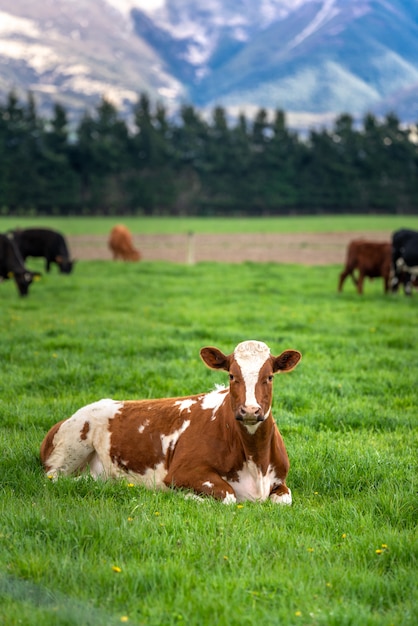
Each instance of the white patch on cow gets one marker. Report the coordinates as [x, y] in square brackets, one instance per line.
[96, 467]
[251, 428]
[75, 445]
[193, 496]
[251, 356]
[153, 478]
[285, 498]
[402, 266]
[214, 399]
[169, 441]
[229, 499]
[143, 427]
[252, 484]
[185, 405]
[207, 483]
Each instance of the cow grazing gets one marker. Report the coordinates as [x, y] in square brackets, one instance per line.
[405, 259]
[121, 245]
[47, 243]
[370, 259]
[224, 443]
[12, 265]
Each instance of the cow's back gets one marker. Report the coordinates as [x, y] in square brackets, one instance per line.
[47, 243]
[121, 244]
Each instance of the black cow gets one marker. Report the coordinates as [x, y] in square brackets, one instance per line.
[12, 264]
[405, 259]
[44, 242]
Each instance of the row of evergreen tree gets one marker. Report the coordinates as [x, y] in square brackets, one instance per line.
[193, 166]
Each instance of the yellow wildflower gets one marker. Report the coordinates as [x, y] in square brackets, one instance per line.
[116, 569]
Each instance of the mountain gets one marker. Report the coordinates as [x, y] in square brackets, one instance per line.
[73, 51]
[312, 58]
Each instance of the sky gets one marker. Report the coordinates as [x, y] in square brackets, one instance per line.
[124, 6]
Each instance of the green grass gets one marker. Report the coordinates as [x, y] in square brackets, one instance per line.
[347, 413]
[174, 225]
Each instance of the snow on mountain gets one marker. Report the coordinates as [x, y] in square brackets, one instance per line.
[76, 52]
[312, 58]
[203, 27]
[309, 57]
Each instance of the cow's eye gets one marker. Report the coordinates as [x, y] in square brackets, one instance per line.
[231, 377]
[270, 378]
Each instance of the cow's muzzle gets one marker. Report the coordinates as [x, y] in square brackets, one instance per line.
[249, 414]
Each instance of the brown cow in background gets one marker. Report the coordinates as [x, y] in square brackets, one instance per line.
[371, 259]
[121, 245]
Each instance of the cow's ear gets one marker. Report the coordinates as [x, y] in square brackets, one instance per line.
[286, 361]
[214, 358]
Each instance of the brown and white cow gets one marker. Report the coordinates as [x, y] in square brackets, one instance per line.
[121, 245]
[371, 259]
[224, 443]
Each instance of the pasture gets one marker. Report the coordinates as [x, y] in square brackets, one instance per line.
[104, 553]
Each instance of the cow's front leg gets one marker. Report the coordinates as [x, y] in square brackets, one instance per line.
[281, 495]
[360, 283]
[207, 483]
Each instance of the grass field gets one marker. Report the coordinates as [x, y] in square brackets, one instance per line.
[79, 552]
[175, 225]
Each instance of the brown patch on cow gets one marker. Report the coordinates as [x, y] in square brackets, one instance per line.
[47, 446]
[136, 433]
[280, 490]
[84, 431]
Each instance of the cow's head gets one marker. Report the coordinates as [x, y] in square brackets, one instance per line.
[65, 264]
[24, 279]
[251, 369]
[134, 255]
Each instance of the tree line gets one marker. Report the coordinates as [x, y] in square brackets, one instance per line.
[190, 165]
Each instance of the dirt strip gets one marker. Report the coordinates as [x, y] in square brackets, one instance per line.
[304, 249]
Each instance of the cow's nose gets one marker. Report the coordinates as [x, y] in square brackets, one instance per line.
[250, 412]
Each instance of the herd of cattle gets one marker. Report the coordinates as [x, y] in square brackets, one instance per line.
[396, 261]
[17, 245]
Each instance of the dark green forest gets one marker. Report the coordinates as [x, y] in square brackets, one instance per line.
[189, 165]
